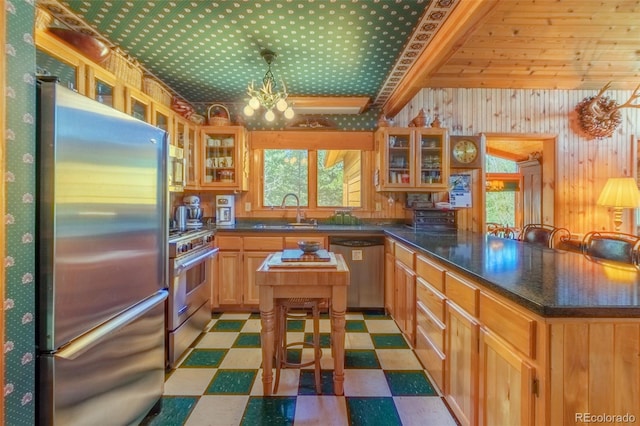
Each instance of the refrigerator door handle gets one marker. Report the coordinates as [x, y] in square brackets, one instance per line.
[88, 340]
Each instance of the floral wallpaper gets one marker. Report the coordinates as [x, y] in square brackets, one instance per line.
[19, 302]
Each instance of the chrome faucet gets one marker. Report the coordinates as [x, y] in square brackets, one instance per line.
[298, 212]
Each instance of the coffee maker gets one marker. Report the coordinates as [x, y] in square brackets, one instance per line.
[225, 210]
[194, 212]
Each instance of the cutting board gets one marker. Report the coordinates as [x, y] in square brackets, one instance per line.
[276, 261]
[296, 255]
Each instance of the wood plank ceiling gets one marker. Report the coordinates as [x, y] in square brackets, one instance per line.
[531, 44]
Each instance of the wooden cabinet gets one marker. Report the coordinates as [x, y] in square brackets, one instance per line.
[104, 87]
[430, 318]
[389, 275]
[228, 286]
[238, 259]
[186, 138]
[224, 158]
[161, 117]
[137, 104]
[415, 159]
[405, 291]
[54, 57]
[506, 391]
[461, 364]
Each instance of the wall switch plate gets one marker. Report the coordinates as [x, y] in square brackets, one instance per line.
[378, 206]
[247, 207]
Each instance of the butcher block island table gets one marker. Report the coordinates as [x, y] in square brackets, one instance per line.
[284, 279]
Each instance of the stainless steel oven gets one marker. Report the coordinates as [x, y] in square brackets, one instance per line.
[191, 257]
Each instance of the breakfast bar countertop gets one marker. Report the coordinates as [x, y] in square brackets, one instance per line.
[548, 282]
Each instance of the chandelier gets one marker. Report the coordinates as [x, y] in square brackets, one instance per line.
[494, 185]
[268, 95]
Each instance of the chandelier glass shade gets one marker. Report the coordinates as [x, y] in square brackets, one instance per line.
[268, 96]
[494, 185]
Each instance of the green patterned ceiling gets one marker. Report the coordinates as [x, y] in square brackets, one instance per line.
[210, 50]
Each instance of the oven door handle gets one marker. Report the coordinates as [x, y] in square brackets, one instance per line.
[192, 262]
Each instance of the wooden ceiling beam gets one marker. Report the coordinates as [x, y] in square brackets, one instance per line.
[467, 16]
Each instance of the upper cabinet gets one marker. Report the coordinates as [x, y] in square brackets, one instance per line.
[185, 138]
[415, 159]
[137, 104]
[224, 158]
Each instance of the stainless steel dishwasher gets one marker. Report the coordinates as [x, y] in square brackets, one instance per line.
[365, 258]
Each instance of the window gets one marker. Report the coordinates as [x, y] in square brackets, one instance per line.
[334, 176]
[501, 204]
[285, 171]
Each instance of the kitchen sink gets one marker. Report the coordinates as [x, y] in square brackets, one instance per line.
[286, 226]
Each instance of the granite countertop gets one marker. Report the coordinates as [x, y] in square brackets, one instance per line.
[551, 283]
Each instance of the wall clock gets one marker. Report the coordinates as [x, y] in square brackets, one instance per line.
[466, 151]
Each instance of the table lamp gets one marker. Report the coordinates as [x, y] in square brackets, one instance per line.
[620, 193]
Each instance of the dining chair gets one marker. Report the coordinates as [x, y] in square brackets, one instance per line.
[616, 246]
[503, 232]
[542, 234]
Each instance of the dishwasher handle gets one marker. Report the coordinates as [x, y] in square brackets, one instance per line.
[357, 242]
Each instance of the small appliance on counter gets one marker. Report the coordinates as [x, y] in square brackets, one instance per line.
[225, 211]
[181, 218]
[194, 212]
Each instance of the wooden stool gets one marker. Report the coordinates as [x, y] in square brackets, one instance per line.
[297, 308]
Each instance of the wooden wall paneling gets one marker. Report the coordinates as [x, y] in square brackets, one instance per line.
[601, 368]
[583, 164]
[626, 369]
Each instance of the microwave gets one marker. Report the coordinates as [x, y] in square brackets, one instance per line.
[175, 169]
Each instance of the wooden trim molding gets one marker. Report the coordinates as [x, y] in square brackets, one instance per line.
[310, 139]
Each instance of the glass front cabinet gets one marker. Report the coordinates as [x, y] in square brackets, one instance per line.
[185, 132]
[412, 159]
[224, 161]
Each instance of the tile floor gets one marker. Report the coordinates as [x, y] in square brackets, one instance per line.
[219, 380]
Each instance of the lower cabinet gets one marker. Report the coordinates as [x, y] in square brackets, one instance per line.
[405, 300]
[238, 259]
[229, 278]
[461, 369]
[252, 260]
[506, 393]
[389, 276]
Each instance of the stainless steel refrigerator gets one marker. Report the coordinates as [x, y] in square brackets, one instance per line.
[102, 261]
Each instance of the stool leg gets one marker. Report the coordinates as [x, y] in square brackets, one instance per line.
[317, 352]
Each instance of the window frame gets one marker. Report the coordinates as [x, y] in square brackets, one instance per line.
[312, 179]
[362, 141]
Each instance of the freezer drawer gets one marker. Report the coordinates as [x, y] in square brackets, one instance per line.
[116, 374]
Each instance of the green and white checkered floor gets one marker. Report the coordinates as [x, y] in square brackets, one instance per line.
[219, 380]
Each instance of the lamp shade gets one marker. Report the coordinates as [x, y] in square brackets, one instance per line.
[620, 192]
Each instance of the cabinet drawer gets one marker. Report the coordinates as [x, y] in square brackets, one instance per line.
[461, 292]
[405, 255]
[431, 298]
[292, 241]
[430, 326]
[263, 243]
[431, 272]
[226, 242]
[513, 326]
[432, 359]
